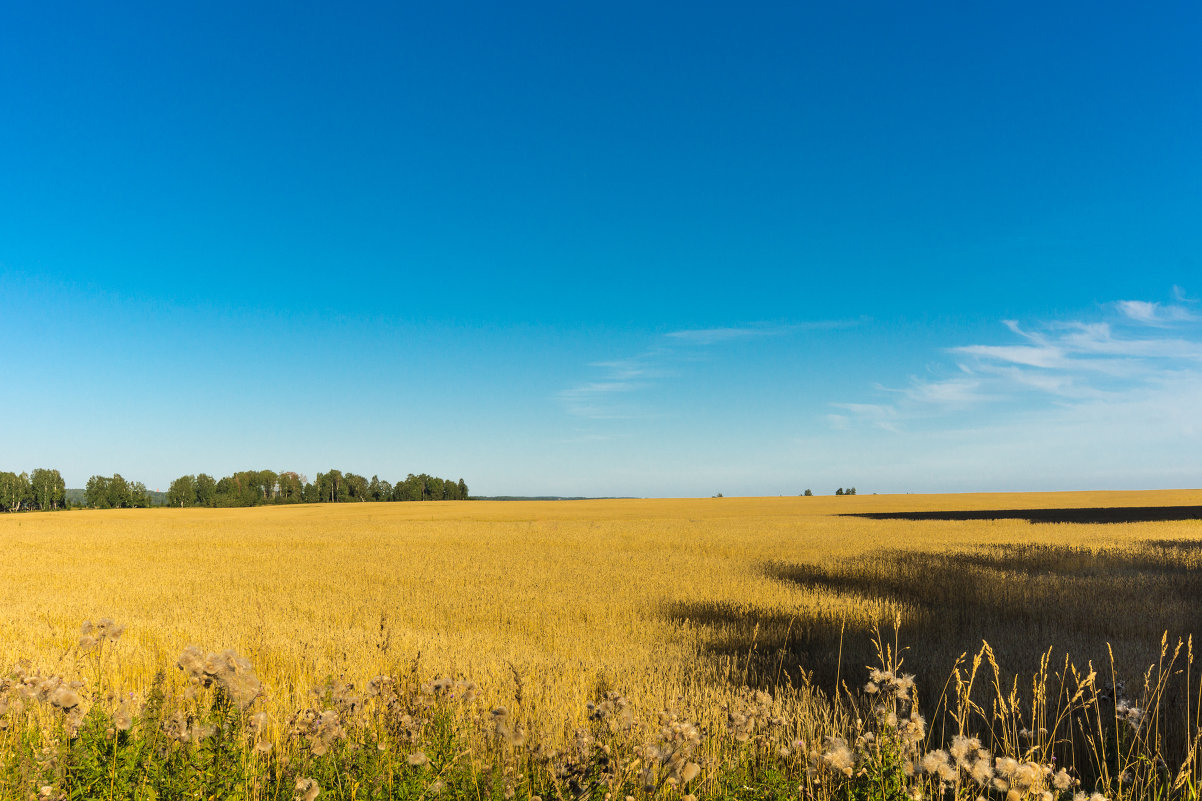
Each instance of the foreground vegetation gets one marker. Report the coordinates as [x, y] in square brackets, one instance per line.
[411, 650]
[397, 736]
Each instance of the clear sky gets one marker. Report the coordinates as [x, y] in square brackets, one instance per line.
[605, 248]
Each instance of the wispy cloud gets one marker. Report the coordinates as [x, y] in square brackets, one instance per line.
[711, 336]
[954, 392]
[1030, 355]
[596, 399]
[1141, 311]
[876, 414]
[1139, 348]
[627, 369]
[607, 395]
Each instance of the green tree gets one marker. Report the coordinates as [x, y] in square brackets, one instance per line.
[118, 493]
[182, 492]
[356, 487]
[267, 482]
[291, 488]
[139, 496]
[434, 487]
[103, 492]
[95, 493]
[14, 491]
[808, 493]
[332, 487]
[310, 493]
[206, 490]
[411, 489]
[47, 488]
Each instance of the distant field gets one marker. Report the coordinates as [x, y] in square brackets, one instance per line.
[658, 598]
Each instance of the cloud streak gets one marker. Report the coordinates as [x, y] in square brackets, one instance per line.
[713, 336]
[1140, 349]
[596, 399]
[608, 393]
[1154, 313]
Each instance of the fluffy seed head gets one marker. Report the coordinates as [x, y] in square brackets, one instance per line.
[306, 790]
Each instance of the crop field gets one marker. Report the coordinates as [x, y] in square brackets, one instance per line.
[547, 606]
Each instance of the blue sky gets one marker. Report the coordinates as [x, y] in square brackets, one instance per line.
[605, 248]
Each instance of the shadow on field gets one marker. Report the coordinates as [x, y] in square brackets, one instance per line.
[1022, 599]
[1115, 514]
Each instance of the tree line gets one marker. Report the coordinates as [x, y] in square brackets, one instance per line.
[259, 487]
[114, 492]
[42, 490]
[45, 490]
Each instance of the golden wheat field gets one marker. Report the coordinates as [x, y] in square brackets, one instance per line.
[658, 598]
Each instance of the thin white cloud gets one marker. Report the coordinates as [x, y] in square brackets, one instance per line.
[603, 397]
[1067, 363]
[594, 399]
[710, 336]
[878, 414]
[951, 392]
[1030, 355]
[839, 422]
[1150, 313]
[1046, 381]
[598, 387]
[626, 369]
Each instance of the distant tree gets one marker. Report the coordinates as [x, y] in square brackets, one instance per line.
[244, 488]
[14, 491]
[310, 493]
[356, 487]
[267, 482]
[808, 493]
[182, 492]
[850, 491]
[47, 489]
[434, 486]
[839, 491]
[410, 489]
[95, 493]
[332, 487]
[463, 496]
[119, 496]
[291, 488]
[206, 490]
[108, 492]
[139, 496]
[341, 491]
[232, 491]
